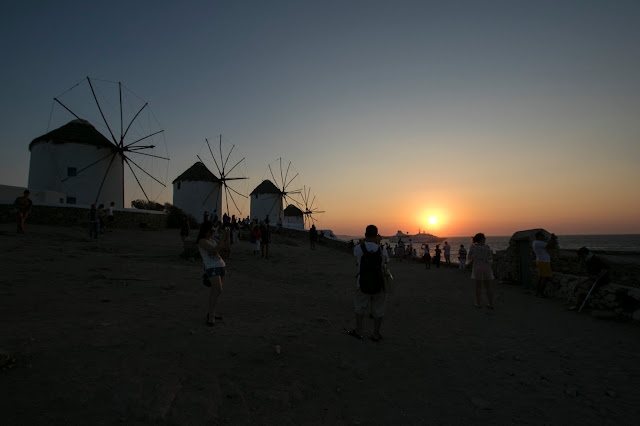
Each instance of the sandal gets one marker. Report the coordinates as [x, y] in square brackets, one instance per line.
[355, 334]
[376, 338]
[489, 306]
[477, 306]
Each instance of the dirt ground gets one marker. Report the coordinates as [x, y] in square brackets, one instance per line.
[113, 332]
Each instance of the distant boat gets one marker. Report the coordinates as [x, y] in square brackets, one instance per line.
[420, 237]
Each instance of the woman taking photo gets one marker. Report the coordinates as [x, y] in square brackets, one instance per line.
[214, 266]
[480, 257]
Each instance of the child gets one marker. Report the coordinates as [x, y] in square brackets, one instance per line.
[462, 258]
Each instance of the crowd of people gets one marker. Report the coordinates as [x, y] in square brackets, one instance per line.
[100, 220]
[217, 236]
[371, 287]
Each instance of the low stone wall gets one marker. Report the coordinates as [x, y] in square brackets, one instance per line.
[68, 215]
[619, 299]
[608, 301]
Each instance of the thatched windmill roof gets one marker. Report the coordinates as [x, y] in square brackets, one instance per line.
[197, 173]
[266, 187]
[292, 210]
[75, 131]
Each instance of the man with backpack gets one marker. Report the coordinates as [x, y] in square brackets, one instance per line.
[371, 258]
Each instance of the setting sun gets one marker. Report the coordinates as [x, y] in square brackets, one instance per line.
[433, 220]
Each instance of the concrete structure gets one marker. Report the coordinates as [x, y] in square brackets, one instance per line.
[198, 190]
[77, 160]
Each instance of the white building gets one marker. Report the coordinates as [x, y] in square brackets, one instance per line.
[79, 161]
[198, 190]
[266, 199]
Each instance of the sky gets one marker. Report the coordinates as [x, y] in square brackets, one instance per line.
[490, 116]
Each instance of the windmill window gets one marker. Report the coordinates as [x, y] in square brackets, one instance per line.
[179, 185]
[71, 200]
[72, 171]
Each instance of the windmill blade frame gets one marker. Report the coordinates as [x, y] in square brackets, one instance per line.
[226, 178]
[103, 106]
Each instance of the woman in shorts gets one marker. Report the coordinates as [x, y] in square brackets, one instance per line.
[214, 266]
[480, 257]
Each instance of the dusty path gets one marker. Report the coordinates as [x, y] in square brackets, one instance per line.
[112, 332]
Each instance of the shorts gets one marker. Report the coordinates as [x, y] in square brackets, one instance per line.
[361, 302]
[544, 269]
[215, 272]
[256, 246]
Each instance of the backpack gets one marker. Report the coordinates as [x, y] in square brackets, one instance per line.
[371, 276]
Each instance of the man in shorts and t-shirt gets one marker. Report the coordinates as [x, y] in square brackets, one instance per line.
[361, 300]
[543, 263]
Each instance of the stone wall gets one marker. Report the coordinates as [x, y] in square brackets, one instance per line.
[608, 301]
[69, 215]
[619, 299]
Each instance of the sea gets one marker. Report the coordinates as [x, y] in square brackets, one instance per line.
[620, 243]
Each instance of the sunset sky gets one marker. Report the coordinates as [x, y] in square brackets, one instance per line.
[491, 116]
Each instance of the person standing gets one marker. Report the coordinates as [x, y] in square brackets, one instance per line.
[110, 217]
[94, 222]
[266, 239]
[400, 247]
[427, 256]
[480, 258]
[23, 204]
[214, 265]
[313, 237]
[447, 254]
[254, 239]
[462, 258]
[436, 256]
[102, 216]
[369, 294]
[543, 263]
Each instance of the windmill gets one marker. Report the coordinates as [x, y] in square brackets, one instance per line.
[309, 207]
[114, 134]
[231, 177]
[272, 196]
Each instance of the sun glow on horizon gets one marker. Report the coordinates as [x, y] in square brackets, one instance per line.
[433, 220]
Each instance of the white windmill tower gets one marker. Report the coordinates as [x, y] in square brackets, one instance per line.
[189, 187]
[198, 189]
[230, 194]
[271, 197]
[293, 218]
[114, 145]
